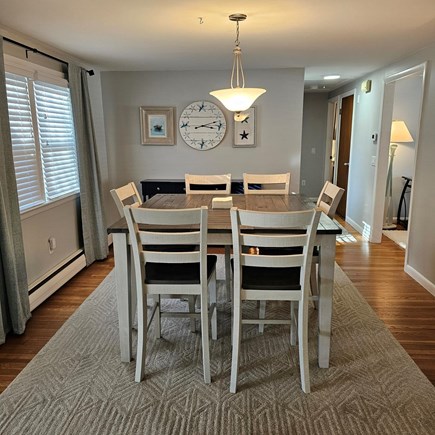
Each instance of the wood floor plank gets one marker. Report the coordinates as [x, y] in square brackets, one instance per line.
[376, 270]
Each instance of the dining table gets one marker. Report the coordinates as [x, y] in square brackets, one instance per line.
[219, 234]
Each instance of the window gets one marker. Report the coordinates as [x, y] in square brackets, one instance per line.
[43, 141]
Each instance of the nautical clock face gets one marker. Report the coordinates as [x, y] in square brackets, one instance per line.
[202, 125]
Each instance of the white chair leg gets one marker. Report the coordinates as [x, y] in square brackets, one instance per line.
[205, 339]
[294, 323]
[237, 329]
[191, 300]
[261, 315]
[158, 317]
[141, 339]
[228, 271]
[303, 347]
[213, 302]
[314, 286]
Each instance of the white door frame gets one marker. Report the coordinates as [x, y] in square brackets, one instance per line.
[383, 150]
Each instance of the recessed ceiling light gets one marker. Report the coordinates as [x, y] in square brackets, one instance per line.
[331, 77]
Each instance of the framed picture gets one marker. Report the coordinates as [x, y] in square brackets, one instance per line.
[244, 131]
[157, 125]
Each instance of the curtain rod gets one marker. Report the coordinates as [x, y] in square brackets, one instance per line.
[35, 50]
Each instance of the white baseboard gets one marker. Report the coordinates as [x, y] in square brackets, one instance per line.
[429, 286]
[57, 281]
[354, 225]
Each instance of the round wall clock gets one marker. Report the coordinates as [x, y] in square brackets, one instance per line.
[202, 125]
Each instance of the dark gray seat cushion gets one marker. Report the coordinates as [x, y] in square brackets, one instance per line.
[178, 273]
[270, 278]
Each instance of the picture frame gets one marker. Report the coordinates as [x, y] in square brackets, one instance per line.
[157, 125]
[245, 131]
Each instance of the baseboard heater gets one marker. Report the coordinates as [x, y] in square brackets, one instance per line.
[55, 279]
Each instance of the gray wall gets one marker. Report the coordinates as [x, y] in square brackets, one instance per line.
[278, 116]
[313, 143]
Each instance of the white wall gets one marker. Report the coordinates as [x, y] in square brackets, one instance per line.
[314, 126]
[366, 121]
[421, 242]
[279, 126]
[61, 221]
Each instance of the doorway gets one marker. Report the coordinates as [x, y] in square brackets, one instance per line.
[403, 99]
[339, 144]
[343, 149]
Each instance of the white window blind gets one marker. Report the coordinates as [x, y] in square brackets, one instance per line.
[57, 141]
[43, 140]
[24, 148]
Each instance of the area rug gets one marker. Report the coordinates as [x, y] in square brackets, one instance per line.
[397, 236]
[77, 384]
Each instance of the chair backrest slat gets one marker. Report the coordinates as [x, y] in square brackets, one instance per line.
[163, 238]
[187, 216]
[295, 260]
[267, 184]
[329, 198]
[126, 195]
[270, 240]
[275, 219]
[208, 180]
[171, 257]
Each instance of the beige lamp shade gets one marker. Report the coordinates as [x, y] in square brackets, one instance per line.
[238, 99]
[400, 132]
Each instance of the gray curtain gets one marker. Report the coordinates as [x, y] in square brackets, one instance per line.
[93, 222]
[14, 295]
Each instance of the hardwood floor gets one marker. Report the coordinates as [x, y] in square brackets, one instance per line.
[46, 319]
[406, 308]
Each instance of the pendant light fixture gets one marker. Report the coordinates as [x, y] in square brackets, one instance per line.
[237, 98]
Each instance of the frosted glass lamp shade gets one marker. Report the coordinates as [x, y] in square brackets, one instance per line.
[238, 99]
[400, 132]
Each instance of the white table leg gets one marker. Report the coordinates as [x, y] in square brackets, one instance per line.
[326, 287]
[121, 252]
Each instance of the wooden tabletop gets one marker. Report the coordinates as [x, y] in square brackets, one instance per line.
[219, 220]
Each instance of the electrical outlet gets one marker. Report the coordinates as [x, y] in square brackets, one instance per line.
[313, 150]
[303, 183]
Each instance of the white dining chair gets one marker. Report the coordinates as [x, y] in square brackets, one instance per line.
[328, 201]
[329, 198]
[283, 277]
[129, 195]
[269, 184]
[211, 184]
[159, 273]
[126, 195]
[265, 184]
[207, 184]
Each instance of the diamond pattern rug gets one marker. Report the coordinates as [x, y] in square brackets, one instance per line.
[78, 385]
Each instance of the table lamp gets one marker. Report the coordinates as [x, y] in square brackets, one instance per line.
[399, 134]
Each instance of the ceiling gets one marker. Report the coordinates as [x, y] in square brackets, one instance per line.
[345, 37]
